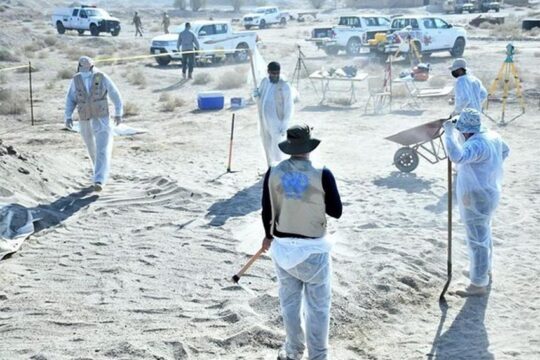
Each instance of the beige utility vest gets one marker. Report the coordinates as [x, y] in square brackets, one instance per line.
[297, 198]
[91, 105]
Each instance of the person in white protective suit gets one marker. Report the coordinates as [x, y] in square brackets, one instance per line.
[296, 198]
[88, 91]
[479, 161]
[276, 107]
[469, 91]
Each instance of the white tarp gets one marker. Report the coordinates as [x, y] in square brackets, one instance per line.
[120, 130]
[16, 225]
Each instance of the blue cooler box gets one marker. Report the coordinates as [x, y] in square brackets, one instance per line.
[210, 100]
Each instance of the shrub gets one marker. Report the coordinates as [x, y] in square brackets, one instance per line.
[25, 69]
[231, 80]
[6, 55]
[11, 104]
[172, 103]
[50, 40]
[180, 4]
[3, 78]
[64, 74]
[164, 97]
[202, 79]
[137, 78]
[237, 4]
[317, 4]
[197, 5]
[130, 109]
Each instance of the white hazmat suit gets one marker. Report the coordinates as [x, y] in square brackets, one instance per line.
[96, 132]
[304, 268]
[469, 93]
[276, 107]
[479, 163]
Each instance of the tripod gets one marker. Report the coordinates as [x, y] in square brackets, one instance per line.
[301, 65]
[508, 70]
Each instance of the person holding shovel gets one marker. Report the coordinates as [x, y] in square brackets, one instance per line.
[479, 162]
[296, 198]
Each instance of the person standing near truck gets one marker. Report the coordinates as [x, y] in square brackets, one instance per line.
[166, 21]
[188, 44]
[138, 24]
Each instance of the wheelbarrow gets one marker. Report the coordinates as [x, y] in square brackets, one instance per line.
[424, 140]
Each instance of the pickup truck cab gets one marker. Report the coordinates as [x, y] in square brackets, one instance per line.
[85, 18]
[429, 34]
[265, 16]
[216, 39]
[351, 34]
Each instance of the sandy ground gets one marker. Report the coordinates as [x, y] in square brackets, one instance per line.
[140, 271]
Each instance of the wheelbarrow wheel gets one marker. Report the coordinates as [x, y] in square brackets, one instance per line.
[406, 159]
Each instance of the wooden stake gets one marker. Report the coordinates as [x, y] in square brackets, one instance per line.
[231, 144]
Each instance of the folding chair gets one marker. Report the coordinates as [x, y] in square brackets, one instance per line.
[379, 95]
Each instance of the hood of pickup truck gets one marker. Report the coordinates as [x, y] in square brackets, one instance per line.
[107, 18]
[166, 37]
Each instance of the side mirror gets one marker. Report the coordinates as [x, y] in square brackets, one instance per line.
[449, 26]
[202, 33]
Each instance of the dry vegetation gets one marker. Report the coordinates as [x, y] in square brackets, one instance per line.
[232, 79]
[169, 103]
[10, 103]
[6, 55]
[202, 79]
[64, 74]
[130, 109]
[137, 78]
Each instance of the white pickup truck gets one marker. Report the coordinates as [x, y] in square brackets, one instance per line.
[216, 39]
[428, 34]
[85, 18]
[351, 34]
[265, 16]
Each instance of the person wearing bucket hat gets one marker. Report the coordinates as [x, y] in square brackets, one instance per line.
[88, 92]
[276, 107]
[469, 91]
[479, 161]
[296, 198]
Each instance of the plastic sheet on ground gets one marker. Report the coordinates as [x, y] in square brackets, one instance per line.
[16, 225]
[120, 130]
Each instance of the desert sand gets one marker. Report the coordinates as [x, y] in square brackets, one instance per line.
[141, 270]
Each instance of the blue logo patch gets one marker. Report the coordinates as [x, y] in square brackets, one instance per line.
[294, 184]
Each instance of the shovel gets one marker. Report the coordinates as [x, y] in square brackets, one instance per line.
[236, 277]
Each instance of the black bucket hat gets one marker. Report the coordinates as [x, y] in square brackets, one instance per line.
[299, 140]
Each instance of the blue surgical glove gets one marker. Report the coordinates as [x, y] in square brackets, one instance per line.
[448, 126]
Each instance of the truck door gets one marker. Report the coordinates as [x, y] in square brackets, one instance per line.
[82, 22]
[222, 39]
[73, 20]
[430, 37]
[206, 38]
[446, 33]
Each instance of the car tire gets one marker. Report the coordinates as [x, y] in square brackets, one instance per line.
[163, 60]
[248, 27]
[459, 48]
[94, 30]
[242, 53]
[262, 24]
[60, 27]
[115, 32]
[80, 31]
[283, 21]
[353, 47]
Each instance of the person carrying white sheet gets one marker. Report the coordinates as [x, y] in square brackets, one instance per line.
[88, 92]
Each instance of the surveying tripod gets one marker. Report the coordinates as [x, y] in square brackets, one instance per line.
[508, 70]
[301, 65]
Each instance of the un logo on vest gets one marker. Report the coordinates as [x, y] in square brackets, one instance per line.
[294, 184]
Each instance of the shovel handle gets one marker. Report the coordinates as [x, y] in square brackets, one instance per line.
[248, 264]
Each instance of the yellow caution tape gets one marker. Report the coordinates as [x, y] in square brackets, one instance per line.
[14, 67]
